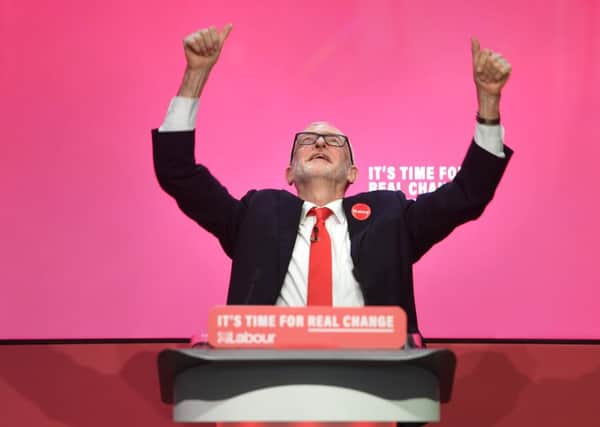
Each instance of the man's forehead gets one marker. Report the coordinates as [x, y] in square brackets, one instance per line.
[322, 127]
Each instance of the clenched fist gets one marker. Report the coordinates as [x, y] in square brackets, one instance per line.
[490, 70]
[202, 48]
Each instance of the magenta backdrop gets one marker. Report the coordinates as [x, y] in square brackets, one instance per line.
[91, 247]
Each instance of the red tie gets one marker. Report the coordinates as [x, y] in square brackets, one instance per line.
[319, 264]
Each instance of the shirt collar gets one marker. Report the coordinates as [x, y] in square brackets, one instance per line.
[335, 206]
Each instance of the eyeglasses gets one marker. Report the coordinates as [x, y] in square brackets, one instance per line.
[331, 139]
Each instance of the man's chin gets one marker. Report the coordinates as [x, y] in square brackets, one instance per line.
[318, 171]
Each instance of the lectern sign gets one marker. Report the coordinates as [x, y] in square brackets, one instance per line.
[237, 326]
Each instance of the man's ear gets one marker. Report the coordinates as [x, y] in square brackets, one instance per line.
[352, 174]
[289, 175]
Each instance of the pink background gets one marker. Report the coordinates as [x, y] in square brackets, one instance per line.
[90, 247]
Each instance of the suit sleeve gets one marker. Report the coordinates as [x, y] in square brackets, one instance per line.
[434, 215]
[197, 192]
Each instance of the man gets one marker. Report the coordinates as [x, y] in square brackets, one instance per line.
[320, 247]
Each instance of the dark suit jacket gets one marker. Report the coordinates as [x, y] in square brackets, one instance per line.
[258, 232]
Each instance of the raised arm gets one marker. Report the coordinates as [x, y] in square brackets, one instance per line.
[199, 195]
[434, 215]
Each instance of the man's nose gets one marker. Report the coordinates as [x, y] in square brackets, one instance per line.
[320, 142]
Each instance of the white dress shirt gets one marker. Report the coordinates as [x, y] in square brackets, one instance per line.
[346, 290]
[181, 116]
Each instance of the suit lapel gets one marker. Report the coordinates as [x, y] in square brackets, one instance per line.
[290, 208]
[357, 230]
[356, 226]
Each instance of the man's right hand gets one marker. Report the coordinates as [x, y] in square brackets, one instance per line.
[202, 48]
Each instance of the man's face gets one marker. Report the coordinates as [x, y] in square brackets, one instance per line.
[321, 160]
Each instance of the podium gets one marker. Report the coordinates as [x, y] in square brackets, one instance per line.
[236, 385]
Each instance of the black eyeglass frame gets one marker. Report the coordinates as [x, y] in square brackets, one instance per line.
[345, 138]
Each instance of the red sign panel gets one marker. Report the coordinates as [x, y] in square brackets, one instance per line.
[251, 326]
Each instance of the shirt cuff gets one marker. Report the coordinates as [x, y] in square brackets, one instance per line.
[181, 115]
[491, 139]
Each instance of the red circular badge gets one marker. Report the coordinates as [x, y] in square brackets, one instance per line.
[361, 211]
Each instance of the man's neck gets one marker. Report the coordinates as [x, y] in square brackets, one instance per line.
[320, 193]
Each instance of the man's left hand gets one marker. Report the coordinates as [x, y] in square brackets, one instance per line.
[490, 70]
